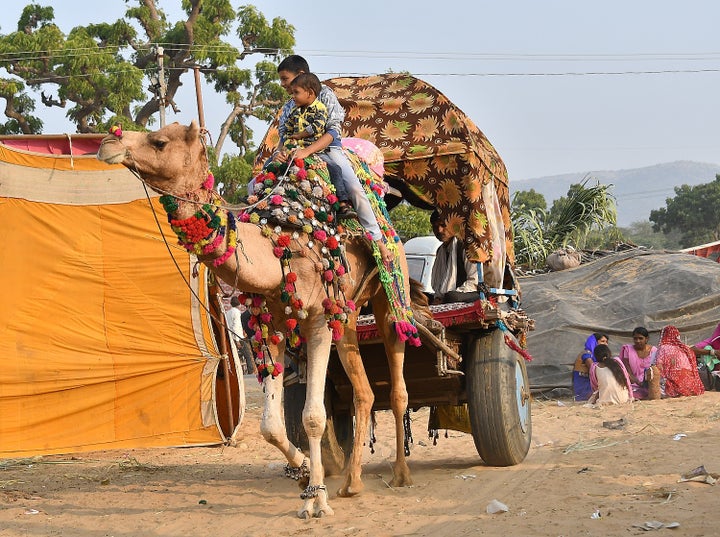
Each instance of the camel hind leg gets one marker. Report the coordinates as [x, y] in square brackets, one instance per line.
[363, 399]
[395, 350]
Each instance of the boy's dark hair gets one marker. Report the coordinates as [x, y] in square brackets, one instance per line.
[294, 64]
[307, 81]
[234, 302]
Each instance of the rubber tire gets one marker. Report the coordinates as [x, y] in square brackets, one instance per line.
[337, 439]
[495, 399]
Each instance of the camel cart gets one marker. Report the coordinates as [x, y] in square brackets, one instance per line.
[470, 369]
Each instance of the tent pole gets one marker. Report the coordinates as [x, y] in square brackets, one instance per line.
[225, 355]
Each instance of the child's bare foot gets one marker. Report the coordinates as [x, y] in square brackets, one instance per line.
[385, 254]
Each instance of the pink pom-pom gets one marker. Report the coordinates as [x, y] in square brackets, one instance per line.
[266, 317]
[278, 368]
[332, 198]
[276, 199]
[340, 270]
[320, 235]
[400, 330]
[328, 275]
[209, 183]
[244, 217]
[351, 304]
[278, 251]
[302, 174]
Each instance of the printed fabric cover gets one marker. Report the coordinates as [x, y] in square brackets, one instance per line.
[435, 149]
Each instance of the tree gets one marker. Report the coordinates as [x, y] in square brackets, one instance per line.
[99, 71]
[693, 211]
[410, 221]
[528, 199]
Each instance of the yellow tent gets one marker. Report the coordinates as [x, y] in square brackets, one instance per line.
[103, 344]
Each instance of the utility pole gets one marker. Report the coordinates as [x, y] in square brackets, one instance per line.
[161, 84]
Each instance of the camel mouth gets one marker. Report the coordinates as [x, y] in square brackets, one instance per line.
[111, 152]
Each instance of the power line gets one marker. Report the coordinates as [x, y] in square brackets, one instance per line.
[29, 56]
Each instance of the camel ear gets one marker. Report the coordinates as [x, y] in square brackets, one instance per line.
[193, 132]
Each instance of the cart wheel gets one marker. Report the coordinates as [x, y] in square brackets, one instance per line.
[337, 439]
[498, 400]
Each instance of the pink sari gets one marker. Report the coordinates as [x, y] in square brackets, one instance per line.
[637, 367]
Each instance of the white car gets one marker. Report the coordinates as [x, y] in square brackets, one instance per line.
[420, 253]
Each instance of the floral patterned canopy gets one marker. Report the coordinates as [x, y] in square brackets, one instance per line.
[432, 147]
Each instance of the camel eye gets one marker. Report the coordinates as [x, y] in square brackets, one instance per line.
[159, 143]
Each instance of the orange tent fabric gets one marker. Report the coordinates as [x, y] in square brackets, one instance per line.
[103, 345]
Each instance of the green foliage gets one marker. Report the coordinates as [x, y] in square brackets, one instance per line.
[19, 109]
[642, 234]
[572, 217]
[693, 212]
[232, 176]
[586, 217]
[98, 72]
[410, 221]
[528, 199]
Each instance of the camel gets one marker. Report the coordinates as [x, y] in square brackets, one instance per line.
[173, 161]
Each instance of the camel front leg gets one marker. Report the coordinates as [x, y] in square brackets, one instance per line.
[314, 418]
[272, 424]
[363, 399]
[395, 350]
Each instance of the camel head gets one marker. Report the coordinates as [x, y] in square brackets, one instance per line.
[171, 160]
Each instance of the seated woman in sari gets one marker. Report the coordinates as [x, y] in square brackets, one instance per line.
[637, 359]
[609, 379]
[708, 350]
[581, 369]
[677, 365]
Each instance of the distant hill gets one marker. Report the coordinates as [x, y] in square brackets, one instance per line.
[637, 191]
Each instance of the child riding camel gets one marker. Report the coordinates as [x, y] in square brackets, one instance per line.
[306, 123]
[329, 148]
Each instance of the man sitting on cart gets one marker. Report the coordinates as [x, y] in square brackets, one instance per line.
[454, 278]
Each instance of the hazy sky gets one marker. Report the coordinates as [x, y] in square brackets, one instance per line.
[521, 70]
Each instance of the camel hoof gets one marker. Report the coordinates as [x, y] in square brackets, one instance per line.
[321, 512]
[349, 491]
[304, 514]
[401, 482]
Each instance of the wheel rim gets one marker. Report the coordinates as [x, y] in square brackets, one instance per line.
[523, 396]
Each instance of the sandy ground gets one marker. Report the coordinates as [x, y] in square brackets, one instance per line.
[580, 478]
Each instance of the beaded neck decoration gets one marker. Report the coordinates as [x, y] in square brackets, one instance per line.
[208, 229]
